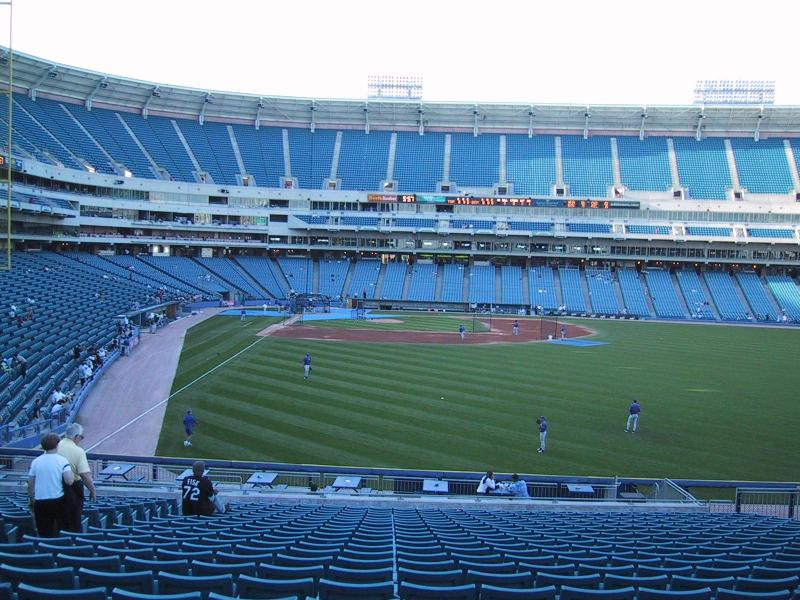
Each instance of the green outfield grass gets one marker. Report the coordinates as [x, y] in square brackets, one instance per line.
[719, 402]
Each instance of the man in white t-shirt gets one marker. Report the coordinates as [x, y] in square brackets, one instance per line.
[46, 479]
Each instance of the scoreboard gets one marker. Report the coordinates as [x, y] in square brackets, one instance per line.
[521, 201]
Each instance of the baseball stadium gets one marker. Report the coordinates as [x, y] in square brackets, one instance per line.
[423, 349]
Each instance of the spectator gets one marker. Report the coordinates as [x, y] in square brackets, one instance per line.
[75, 494]
[487, 484]
[518, 487]
[76, 352]
[48, 475]
[21, 364]
[198, 492]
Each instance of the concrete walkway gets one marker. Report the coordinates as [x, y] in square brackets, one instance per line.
[133, 385]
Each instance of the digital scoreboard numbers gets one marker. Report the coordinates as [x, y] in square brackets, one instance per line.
[521, 201]
[393, 198]
[489, 201]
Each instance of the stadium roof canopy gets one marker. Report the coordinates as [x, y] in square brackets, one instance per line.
[38, 76]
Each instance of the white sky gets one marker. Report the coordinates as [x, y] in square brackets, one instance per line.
[570, 51]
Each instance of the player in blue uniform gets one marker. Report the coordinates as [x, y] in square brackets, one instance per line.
[462, 331]
[633, 416]
[188, 426]
[307, 365]
[542, 422]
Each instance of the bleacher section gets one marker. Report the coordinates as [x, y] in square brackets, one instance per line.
[662, 293]
[702, 167]
[770, 232]
[365, 276]
[723, 291]
[475, 161]
[531, 164]
[762, 166]
[757, 296]
[298, 272]
[106, 129]
[602, 295]
[709, 231]
[571, 290]
[393, 281]
[484, 224]
[135, 268]
[542, 288]
[211, 146]
[787, 295]
[332, 274]
[363, 159]
[587, 165]
[649, 229]
[266, 273]
[47, 130]
[633, 293]
[359, 221]
[644, 164]
[158, 137]
[699, 305]
[63, 127]
[139, 547]
[423, 282]
[589, 227]
[481, 284]
[228, 271]
[262, 153]
[418, 161]
[188, 271]
[511, 280]
[453, 283]
[529, 226]
[415, 222]
[73, 302]
[311, 155]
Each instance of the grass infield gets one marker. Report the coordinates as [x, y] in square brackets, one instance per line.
[718, 402]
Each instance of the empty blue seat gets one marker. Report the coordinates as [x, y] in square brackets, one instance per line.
[713, 571]
[452, 577]
[58, 578]
[134, 581]
[724, 594]
[170, 583]
[256, 587]
[652, 594]
[412, 591]
[120, 594]
[97, 563]
[760, 572]
[180, 567]
[576, 581]
[266, 571]
[357, 563]
[753, 584]
[620, 581]
[30, 592]
[573, 593]
[504, 567]
[37, 560]
[679, 582]
[202, 568]
[493, 592]
[341, 590]
[507, 580]
[359, 575]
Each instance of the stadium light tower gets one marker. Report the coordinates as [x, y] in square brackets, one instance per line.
[734, 91]
[394, 87]
[5, 221]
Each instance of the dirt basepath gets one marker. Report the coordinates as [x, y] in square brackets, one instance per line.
[500, 333]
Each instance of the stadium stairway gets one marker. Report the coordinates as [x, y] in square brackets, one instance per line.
[266, 273]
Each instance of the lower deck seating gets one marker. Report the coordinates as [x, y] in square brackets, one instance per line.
[261, 550]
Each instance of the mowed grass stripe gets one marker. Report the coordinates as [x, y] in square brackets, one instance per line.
[718, 402]
[449, 324]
